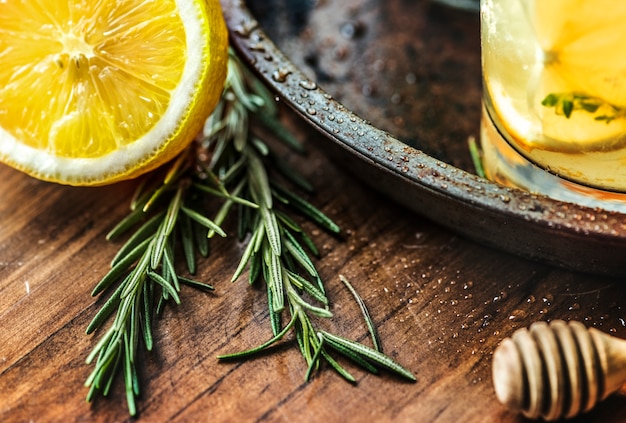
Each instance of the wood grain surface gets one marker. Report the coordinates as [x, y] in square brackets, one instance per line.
[442, 303]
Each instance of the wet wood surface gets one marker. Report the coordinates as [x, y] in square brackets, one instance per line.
[441, 302]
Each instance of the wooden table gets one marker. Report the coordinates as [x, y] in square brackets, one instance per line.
[442, 303]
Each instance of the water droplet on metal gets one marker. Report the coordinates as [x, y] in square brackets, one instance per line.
[308, 85]
[280, 75]
[257, 47]
[311, 111]
[245, 28]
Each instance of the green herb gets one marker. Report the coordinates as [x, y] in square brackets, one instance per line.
[567, 103]
[234, 166]
[477, 157]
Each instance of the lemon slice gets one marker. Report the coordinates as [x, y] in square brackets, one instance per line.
[94, 91]
[569, 49]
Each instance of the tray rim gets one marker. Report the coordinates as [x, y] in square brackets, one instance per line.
[524, 215]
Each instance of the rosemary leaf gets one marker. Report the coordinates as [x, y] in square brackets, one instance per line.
[125, 224]
[338, 368]
[366, 314]
[204, 221]
[307, 209]
[320, 312]
[315, 360]
[147, 317]
[350, 354]
[261, 347]
[121, 266]
[258, 179]
[272, 230]
[299, 255]
[196, 284]
[144, 232]
[369, 354]
[245, 257]
[167, 266]
[275, 280]
[138, 273]
[165, 285]
[275, 321]
[477, 158]
[187, 241]
[166, 228]
[106, 310]
[308, 287]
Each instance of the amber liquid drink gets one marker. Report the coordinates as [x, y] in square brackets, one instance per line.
[554, 118]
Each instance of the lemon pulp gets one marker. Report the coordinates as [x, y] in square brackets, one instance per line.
[555, 84]
[92, 92]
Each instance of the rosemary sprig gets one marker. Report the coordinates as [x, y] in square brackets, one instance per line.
[279, 251]
[144, 268]
[232, 164]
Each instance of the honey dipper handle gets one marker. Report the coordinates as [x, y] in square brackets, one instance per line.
[612, 357]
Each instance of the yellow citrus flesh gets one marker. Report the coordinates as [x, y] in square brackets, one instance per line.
[97, 91]
[565, 47]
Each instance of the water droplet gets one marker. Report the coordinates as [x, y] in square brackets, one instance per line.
[352, 30]
[410, 78]
[308, 85]
[574, 307]
[517, 315]
[548, 299]
[311, 111]
[245, 28]
[257, 47]
[280, 75]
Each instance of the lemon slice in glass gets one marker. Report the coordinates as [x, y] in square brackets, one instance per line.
[556, 73]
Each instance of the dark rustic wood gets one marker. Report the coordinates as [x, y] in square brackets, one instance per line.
[441, 302]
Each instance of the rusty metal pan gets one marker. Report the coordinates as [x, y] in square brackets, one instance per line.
[394, 88]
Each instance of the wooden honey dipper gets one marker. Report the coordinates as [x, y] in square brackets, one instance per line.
[557, 370]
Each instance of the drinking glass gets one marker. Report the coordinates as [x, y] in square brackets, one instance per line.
[554, 104]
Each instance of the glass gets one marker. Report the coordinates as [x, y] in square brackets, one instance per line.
[554, 115]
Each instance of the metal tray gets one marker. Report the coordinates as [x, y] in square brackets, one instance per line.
[394, 86]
